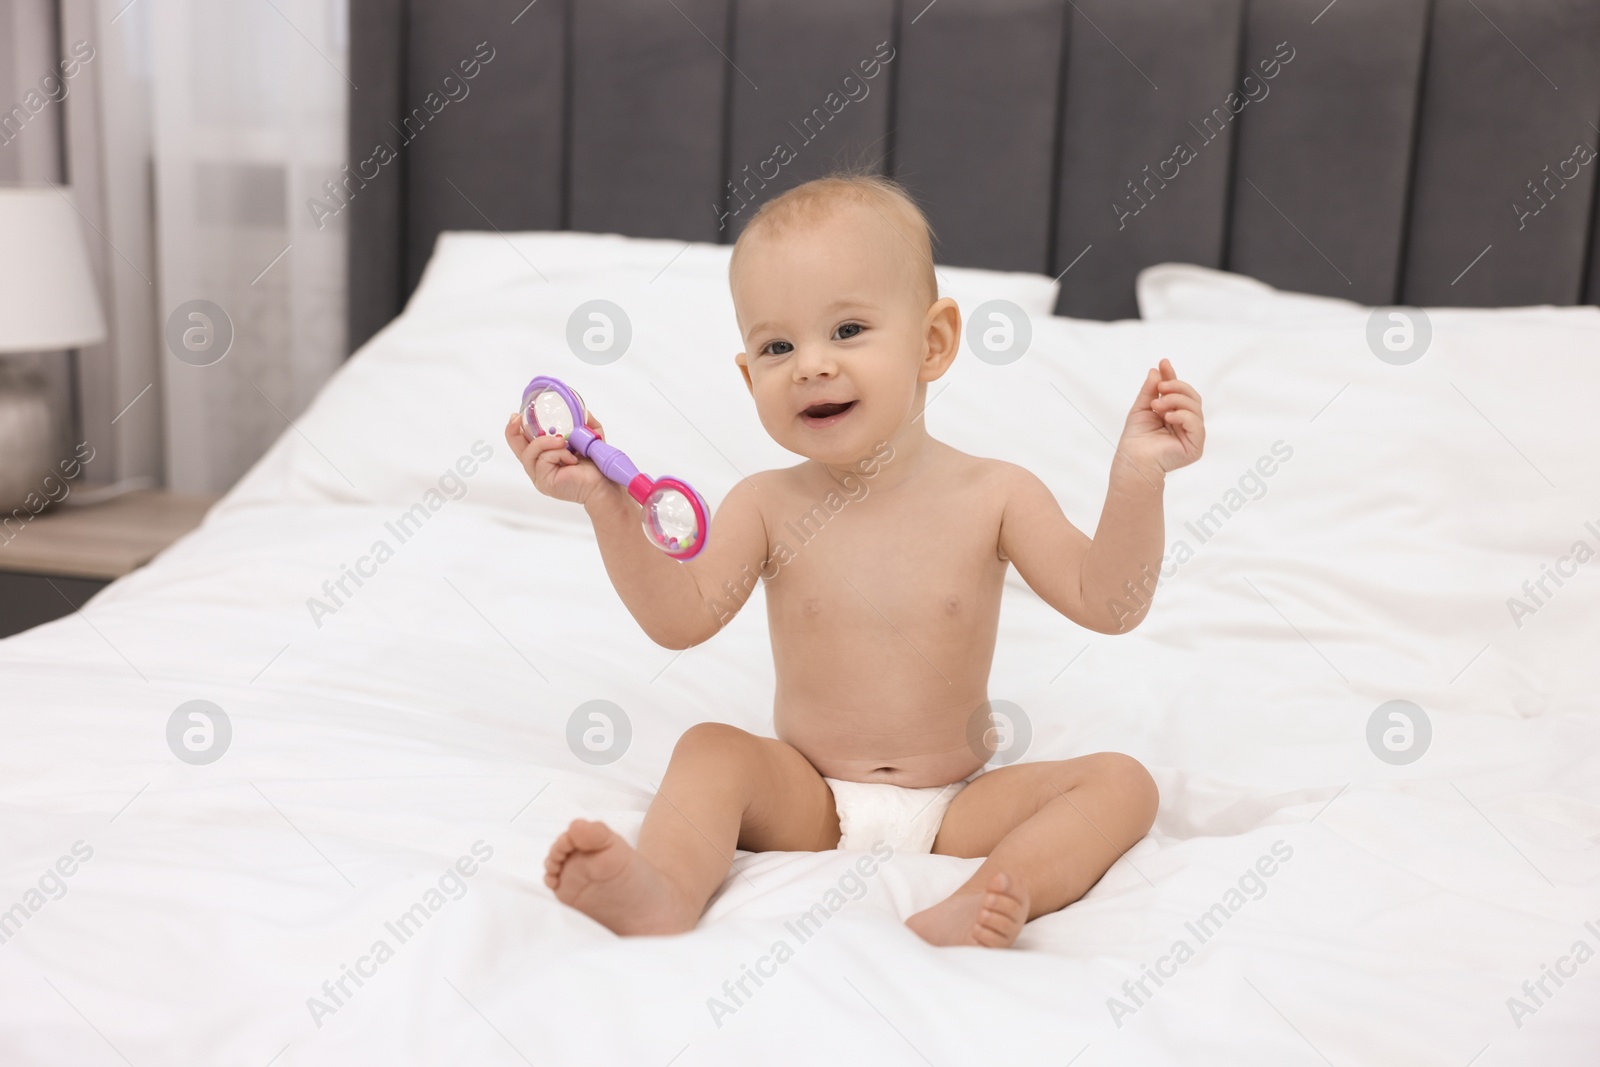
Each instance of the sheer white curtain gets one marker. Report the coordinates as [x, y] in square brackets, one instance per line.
[106, 119]
[32, 99]
[249, 105]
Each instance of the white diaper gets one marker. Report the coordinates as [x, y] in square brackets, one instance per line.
[906, 819]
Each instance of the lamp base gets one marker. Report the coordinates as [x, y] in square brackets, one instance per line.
[29, 448]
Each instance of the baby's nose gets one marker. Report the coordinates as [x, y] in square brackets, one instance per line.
[813, 362]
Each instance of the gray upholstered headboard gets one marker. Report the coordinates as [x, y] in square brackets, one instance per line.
[1390, 151]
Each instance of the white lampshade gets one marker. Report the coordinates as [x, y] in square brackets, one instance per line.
[47, 293]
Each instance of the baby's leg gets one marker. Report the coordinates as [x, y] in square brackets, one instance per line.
[723, 788]
[1049, 830]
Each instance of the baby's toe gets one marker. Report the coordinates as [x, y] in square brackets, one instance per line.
[1007, 888]
[1002, 920]
[590, 836]
[988, 937]
[1002, 904]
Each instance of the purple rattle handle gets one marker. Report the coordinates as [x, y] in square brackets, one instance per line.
[611, 460]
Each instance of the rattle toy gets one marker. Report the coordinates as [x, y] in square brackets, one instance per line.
[675, 517]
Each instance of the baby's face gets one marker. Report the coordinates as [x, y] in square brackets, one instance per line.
[830, 312]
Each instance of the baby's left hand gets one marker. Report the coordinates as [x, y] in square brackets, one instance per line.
[1165, 429]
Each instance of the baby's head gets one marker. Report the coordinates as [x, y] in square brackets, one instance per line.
[836, 299]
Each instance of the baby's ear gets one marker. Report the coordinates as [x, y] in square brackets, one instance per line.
[943, 333]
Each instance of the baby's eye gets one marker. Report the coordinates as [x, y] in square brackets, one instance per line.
[847, 331]
[778, 348]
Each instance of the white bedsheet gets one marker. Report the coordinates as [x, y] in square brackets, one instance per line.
[428, 713]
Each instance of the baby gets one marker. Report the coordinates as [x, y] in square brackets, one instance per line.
[883, 627]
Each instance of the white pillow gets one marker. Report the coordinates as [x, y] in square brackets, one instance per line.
[1169, 291]
[468, 260]
[1184, 291]
[491, 312]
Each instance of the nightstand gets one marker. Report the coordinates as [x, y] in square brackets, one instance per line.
[55, 561]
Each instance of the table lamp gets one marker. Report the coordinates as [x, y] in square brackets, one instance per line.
[47, 304]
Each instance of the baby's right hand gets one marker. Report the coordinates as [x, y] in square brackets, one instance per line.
[555, 470]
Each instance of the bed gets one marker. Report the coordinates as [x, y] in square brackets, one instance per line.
[379, 737]
[340, 860]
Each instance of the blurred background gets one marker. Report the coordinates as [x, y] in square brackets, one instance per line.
[186, 138]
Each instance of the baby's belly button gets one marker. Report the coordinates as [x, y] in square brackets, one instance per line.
[925, 759]
[933, 768]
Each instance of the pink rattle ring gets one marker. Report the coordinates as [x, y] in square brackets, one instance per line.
[675, 517]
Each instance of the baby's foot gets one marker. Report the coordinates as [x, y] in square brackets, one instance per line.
[594, 870]
[992, 919]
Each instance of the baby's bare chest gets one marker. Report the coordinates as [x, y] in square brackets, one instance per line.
[924, 562]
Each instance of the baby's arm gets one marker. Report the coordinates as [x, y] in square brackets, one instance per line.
[1082, 578]
[1107, 584]
[679, 605]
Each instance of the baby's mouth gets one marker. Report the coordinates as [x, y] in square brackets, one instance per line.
[824, 414]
